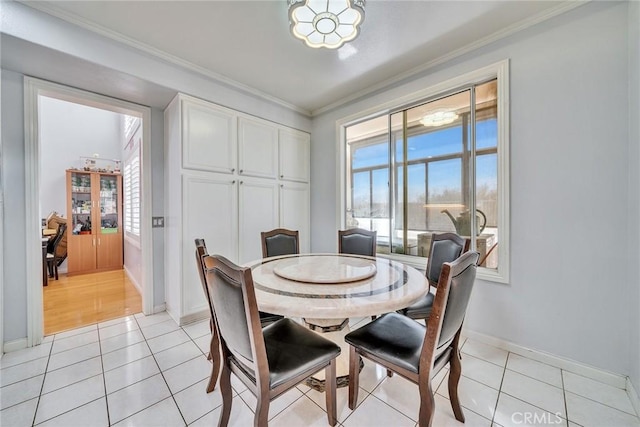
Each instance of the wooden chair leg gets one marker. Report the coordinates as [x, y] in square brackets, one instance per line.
[354, 377]
[261, 418]
[214, 355]
[330, 392]
[227, 397]
[427, 405]
[55, 269]
[454, 379]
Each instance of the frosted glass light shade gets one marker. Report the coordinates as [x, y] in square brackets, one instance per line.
[325, 23]
[439, 118]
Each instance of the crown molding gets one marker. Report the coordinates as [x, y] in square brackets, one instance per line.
[505, 32]
[118, 37]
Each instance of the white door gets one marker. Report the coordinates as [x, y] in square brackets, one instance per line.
[208, 137]
[258, 148]
[294, 211]
[209, 211]
[258, 206]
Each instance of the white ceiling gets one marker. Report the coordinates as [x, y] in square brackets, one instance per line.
[249, 44]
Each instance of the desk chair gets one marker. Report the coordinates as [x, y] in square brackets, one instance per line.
[357, 241]
[53, 259]
[445, 247]
[414, 351]
[280, 242]
[268, 361]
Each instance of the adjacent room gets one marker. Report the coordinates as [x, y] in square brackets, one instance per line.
[320, 212]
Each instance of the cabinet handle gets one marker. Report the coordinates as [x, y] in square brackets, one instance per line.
[241, 182]
[94, 241]
[98, 241]
[233, 170]
[281, 185]
[281, 176]
[241, 170]
[233, 182]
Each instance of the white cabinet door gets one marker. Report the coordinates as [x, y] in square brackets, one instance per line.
[209, 211]
[258, 148]
[294, 149]
[258, 203]
[294, 211]
[208, 137]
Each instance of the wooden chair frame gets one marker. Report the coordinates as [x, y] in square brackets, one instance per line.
[231, 361]
[427, 370]
[214, 345]
[266, 234]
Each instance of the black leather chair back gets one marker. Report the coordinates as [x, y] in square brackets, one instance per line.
[445, 247]
[53, 243]
[280, 241]
[227, 294]
[281, 244]
[357, 241]
[459, 295]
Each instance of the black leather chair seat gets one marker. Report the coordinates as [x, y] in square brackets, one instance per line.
[392, 337]
[420, 309]
[293, 349]
[268, 318]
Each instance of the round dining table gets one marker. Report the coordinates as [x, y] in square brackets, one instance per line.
[325, 290]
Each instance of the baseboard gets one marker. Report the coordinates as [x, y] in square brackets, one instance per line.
[15, 345]
[194, 317]
[633, 396]
[159, 308]
[599, 375]
[134, 281]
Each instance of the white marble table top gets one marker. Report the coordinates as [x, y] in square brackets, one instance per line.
[393, 286]
[325, 269]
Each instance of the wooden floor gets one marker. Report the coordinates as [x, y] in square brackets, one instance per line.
[71, 302]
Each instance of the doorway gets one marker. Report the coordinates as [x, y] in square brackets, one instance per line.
[89, 185]
[39, 91]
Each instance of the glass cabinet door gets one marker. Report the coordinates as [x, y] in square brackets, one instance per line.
[108, 204]
[81, 203]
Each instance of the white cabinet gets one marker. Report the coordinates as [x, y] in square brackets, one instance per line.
[294, 154]
[258, 148]
[294, 211]
[209, 211]
[209, 137]
[228, 177]
[258, 211]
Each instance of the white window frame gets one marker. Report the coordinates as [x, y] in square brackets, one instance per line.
[132, 159]
[500, 71]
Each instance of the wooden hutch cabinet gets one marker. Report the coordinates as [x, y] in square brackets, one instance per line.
[94, 207]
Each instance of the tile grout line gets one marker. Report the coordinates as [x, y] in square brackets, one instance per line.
[504, 371]
[104, 379]
[44, 377]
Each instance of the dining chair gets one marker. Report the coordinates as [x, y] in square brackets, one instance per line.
[280, 241]
[417, 352]
[445, 247]
[214, 345]
[53, 260]
[271, 360]
[357, 241]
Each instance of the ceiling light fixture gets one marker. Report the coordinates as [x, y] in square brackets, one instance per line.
[439, 118]
[325, 23]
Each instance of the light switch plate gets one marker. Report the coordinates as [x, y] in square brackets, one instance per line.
[157, 221]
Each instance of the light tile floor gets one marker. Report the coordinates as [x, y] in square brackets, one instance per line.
[147, 371]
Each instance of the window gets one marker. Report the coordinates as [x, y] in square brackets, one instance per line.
[131, 182]
[426, 168]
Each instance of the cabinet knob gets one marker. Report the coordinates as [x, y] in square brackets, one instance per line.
[233, 182]
[233, 170]
[281, 176]
[240, 171]
[241, 182]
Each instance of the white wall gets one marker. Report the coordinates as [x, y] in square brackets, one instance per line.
[634, 191]
[68, 131]
[569, 186]
[14, 290]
